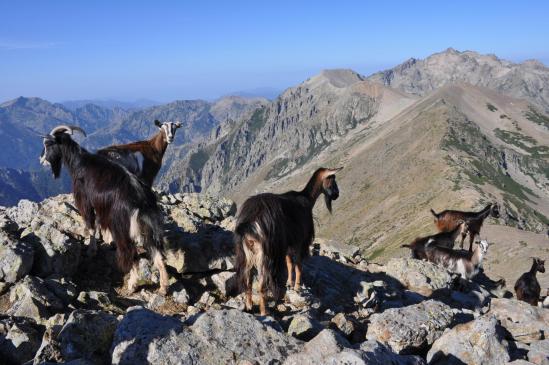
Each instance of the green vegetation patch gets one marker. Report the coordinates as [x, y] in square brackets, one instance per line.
[258, 120]
[536, 117]
[526, 143]
[491, 107]
[377, 252]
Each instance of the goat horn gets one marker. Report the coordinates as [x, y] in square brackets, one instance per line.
[331, 172]
[67, 128]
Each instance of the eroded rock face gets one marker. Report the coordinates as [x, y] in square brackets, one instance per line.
[476, 342]
[410, 329]
[523, 322]
[16, 258]
[424, 278]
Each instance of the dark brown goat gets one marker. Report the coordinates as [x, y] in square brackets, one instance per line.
[143, 158]
[275, 228]
[441, 239]
[448, 220]
[108, 196]
[527, 286]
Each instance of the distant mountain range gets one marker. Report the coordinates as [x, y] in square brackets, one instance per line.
[456, 129]
[111, 103]
[23, 120]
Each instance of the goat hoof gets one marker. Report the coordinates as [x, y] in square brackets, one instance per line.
[163, 291]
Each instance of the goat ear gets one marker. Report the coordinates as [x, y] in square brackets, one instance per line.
[157, 123]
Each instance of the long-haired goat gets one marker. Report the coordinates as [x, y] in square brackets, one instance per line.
[273, 228]
[144, 158]
[527, 286]
[106, 193]
[464, 263]
[441, 239]
[447, 220]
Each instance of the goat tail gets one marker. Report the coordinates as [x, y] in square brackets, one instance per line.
[434, 213]
[272, 265]
[257, 245]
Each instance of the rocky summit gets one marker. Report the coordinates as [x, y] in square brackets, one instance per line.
[60, 304]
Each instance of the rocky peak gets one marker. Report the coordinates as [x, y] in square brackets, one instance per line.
[528, 80]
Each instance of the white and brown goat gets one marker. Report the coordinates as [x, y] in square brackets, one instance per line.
[466, 264]
[144, 158]
[448, 220]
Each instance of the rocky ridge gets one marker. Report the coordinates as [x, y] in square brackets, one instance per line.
[57, 305]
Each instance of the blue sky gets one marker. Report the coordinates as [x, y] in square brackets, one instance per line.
[167, 50]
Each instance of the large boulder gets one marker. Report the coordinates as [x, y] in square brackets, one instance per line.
[20, 338]
[87, 334]
[410, 329]
[328, 347]
[137, 331]
[215, 337]
[55, 252]
[30, 298]
[244, 336]
[333, 283]
[420, 276]
[475, 343]
[523, 322]
[16, 258]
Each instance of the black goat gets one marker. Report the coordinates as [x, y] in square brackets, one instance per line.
[527, 286]
[106, 193]
[273, 228]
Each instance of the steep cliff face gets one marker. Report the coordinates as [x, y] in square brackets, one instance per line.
[528, 80]
[283, 135]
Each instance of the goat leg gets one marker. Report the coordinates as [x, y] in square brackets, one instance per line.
[134, 275]
[92, 244]
[249, 300]
[262, 295]
[290, 267]
[164, 278]
[471, 240]
[298, 270]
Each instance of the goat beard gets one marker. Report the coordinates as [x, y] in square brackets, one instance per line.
[328, 201]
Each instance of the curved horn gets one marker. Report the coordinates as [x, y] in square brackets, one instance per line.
[67, 128]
